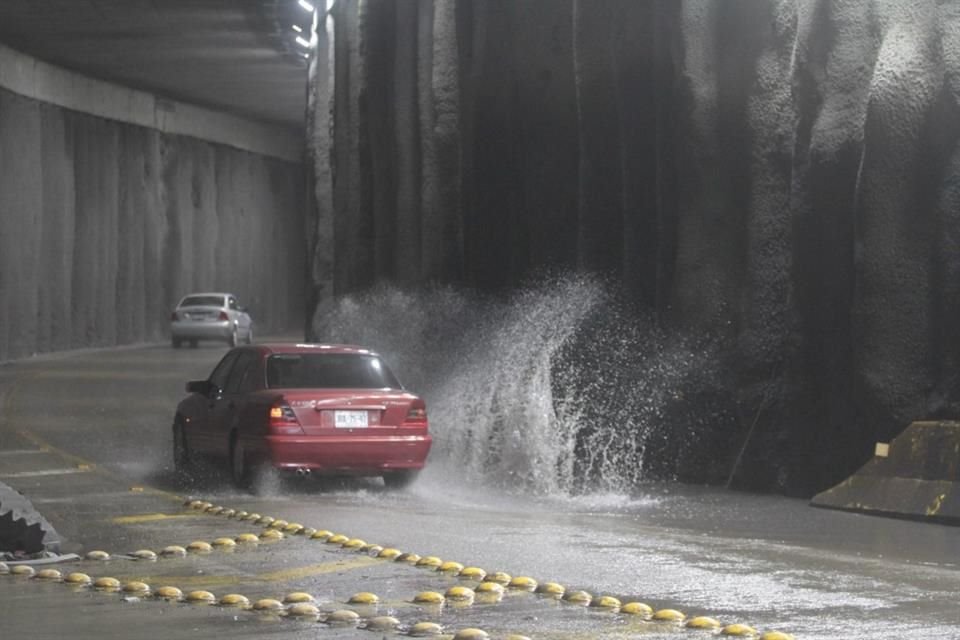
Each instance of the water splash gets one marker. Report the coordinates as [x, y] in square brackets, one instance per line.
[553, 390]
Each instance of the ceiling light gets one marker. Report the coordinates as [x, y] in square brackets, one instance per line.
[303, 42]
[306, 5]
[297, 28]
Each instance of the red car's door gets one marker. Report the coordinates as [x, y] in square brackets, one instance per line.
[239, 384]
[201, 434]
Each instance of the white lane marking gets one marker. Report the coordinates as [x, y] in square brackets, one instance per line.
[46, 472]
[17, 452]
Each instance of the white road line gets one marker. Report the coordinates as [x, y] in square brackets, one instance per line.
[46, 472]
[17, 452]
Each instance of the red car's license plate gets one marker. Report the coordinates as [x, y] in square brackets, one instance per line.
[349, 419]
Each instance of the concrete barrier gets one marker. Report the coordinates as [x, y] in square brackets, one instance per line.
[915, 476]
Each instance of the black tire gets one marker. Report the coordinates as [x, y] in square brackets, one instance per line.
[400, 479]
[175, 343]
[239, 469]
[183, 462]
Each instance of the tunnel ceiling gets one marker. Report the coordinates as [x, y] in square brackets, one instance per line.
[231, 55]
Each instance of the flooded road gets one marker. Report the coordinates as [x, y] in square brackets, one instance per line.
[87, 438]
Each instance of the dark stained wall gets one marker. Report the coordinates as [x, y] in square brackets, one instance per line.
[781, 174]
[105, 225]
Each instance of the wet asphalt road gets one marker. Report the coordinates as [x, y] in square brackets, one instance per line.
[87, 438]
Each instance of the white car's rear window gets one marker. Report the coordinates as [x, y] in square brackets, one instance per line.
[202, 301]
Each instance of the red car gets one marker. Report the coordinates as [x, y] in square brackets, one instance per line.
[303, 408]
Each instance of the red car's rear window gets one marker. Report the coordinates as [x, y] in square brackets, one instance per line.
[328, 370]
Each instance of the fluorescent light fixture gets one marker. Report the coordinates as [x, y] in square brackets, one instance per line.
[303, 42]
[306, 5]
[297, 28]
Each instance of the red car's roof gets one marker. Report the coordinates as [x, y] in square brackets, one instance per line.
[302, 347]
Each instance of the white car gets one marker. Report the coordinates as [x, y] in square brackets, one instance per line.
[210, 316]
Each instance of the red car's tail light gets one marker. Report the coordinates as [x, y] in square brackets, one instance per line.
[223, 317]
[284, 420]
[417, 414]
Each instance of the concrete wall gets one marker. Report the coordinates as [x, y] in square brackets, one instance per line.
[105, 224]
[780, 174]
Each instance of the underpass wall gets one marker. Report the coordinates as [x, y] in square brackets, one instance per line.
[779, 177]
[106, 223]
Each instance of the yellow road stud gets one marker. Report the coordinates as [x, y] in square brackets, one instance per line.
[106, 584]
[422, 629]
[703, 622]
[78, 578]
[97, 555]
[371, 549]
[240, 515]
[669, 615]
[516, 636]
[144, 554]
[278, 524]
[271, 534]
[739, 630]
[606, 602]
[390, 554]
[228, 513]
[382, 623]
[303, 610]
[473, 573]
[137, 588]
[450, 567]
[408, 558]
[225, 542]
[267, 604]
[364, 597]
[173, 551]
[168, 593]
[581, 598]
[337, 538]
[428, 597]
[342, 617]
[199, 546]
[49, 575]
[522, 583]
[4, 569]
[354, 543]
[293, 527]
[322, 534]
[248, 538]
[22, 570]
[552, 589]
[214, 510]
[252, 517]
[776, 635]
[265, 520]
[637, 609]
[490, 587]
[235, 600]
[201, 597]
[470, 634]
[297, 596]
[307, 532]
[460, 594]
[499, 577]
[429, 562]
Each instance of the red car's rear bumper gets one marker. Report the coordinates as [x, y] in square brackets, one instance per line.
[346, 453]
